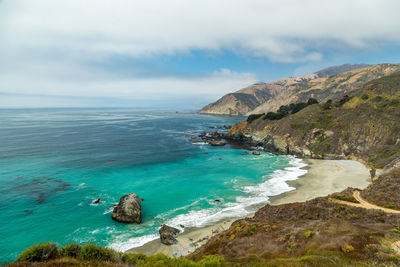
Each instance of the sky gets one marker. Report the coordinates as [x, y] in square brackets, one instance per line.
[179, 54]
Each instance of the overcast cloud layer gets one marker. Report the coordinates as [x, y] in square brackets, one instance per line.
[50, 47]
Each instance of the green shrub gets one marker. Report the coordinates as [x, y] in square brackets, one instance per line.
[274, 116]
[312, 101]
[309, 234]
[253, 117]
[134, 258]
[252, 229]
[327, 105]
[298, 107]
[364, 96]
[96, 253]
[72, 254]
[162, 260]
[343, 100]
[346, 198]
[371, 249]
[347, 248]
[70, 250]
[390, 206]
[40, 252]
[212, 261]
[339, 209]
[285, 110]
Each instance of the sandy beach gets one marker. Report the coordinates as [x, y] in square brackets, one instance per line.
[323, 177]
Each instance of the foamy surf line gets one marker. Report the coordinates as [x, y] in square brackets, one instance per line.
[257, 195]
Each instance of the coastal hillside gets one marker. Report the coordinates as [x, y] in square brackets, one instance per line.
[363, 125]
[322, 85]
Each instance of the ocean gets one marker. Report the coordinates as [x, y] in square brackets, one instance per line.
[55, 162]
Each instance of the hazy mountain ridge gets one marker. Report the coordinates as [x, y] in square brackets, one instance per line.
[292, 90]
[339, 69]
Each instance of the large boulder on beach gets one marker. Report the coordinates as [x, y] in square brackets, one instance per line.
[168, 234]
[128, 209]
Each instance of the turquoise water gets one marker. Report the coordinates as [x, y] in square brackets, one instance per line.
[54, 163]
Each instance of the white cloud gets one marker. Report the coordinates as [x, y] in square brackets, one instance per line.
[45, 45]
[281, 30]
[75, 81]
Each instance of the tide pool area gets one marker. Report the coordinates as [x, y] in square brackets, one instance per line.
[55, 162]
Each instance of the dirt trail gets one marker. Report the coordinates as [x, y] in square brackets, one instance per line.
[364, 204]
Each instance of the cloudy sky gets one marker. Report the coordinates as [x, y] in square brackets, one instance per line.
[179, 53]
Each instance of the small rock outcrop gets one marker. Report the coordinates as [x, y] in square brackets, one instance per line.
[128, 209]
[256, 153]
[168, 234]
[96, 201]
[217, 143]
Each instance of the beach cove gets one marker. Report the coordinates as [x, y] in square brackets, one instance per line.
[323, 177]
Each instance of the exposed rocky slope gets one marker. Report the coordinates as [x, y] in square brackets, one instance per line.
[262, 98]
[364, 125]
[385, 190]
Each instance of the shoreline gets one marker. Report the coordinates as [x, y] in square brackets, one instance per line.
[323, 177]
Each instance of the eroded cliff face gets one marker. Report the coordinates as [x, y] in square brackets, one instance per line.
[262, 98]
[366, 127]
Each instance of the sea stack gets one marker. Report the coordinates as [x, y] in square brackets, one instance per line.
[128, 209]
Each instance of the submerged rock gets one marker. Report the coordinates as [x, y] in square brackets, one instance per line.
[168, 234]
[128, 209]
[256, 153]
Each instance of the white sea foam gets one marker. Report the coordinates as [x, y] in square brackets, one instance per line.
[108, 210]
[199, 143]
[80, 186]
[257, 195]
[124, 245]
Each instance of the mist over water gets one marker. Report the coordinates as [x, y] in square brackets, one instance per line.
[55, 162]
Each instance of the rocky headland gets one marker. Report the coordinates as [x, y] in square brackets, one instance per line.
[363, 126]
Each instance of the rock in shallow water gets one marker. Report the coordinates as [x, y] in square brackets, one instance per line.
[128, 209]
[96, 201]
[217, 143]
[168, 234]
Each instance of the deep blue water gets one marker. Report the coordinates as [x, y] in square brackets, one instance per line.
[54, 162]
